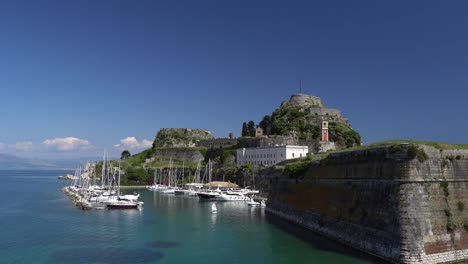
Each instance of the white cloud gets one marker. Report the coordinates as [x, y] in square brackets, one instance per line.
[133, 143]
[24, 146]
[67, 144]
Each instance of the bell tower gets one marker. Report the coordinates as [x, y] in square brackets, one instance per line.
[324, 136]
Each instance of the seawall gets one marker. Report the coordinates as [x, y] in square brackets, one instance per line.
[404, 204]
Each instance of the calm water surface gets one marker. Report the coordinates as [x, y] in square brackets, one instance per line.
[39, 224]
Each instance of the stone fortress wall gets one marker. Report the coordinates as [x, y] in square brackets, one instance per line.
[218, 142]
[382, 202]
[306, 100]
[325, 112]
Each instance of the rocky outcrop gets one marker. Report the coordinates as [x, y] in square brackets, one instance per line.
[306, 101]
[180, 137]
[180, 154]
[301, 118]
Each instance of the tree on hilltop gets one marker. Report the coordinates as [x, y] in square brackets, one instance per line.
[265, 123]
[125, 155]
[245, 130]
[251, 127]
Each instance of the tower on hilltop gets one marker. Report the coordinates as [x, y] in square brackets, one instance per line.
[324, 136]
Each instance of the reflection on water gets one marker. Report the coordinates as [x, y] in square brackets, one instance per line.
[213, 219]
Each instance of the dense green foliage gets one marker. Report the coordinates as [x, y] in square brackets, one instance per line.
[247, 166]
[136, 176]
[219, 154]
[297, 169]
[343, 135]
[266, 121]
[139, 159]
[286, 119]
[289, 118]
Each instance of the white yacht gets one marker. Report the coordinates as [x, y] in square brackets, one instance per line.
[209, 194]
[227, 196]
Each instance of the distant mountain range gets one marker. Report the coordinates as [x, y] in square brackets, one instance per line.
[13, 162]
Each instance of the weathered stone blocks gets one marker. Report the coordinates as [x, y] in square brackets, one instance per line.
[383, 202]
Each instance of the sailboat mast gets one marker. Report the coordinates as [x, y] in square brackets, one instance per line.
[103, 171]
[118, 192]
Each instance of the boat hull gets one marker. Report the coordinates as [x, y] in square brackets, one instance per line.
[231, 198]
[207, 196]
[122, 206]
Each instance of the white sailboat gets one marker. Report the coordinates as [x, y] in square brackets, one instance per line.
[170, 189]
[122, 202]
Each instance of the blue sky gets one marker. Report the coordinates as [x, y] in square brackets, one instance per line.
[101, 71]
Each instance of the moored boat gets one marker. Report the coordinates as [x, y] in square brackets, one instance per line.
[252, 202]
[208, 194]
[225, 196]
[123, 205]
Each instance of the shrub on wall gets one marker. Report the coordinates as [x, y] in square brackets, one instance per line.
[247, 166]
[418, 153]
[297, 169]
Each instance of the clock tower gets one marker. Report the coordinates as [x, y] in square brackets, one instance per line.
[324, 137]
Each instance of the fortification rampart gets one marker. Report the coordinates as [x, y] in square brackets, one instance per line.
[325, 112]
[399, 203]
[180, 154]
[267, 141]
[218, 142]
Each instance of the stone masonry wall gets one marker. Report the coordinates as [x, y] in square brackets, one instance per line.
[181, 154]
[267, 141]
[383, 202]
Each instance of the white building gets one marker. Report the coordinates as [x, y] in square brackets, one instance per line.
[270, 155]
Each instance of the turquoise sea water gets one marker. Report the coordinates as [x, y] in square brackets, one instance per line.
[39, 224]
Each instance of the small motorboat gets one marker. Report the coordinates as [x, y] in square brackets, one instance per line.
[262, 204]
[213, 208]
[252, 202]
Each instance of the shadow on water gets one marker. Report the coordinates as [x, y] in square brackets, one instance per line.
[195, 229]
[319, 242]
[105, 255]
[162, 244]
